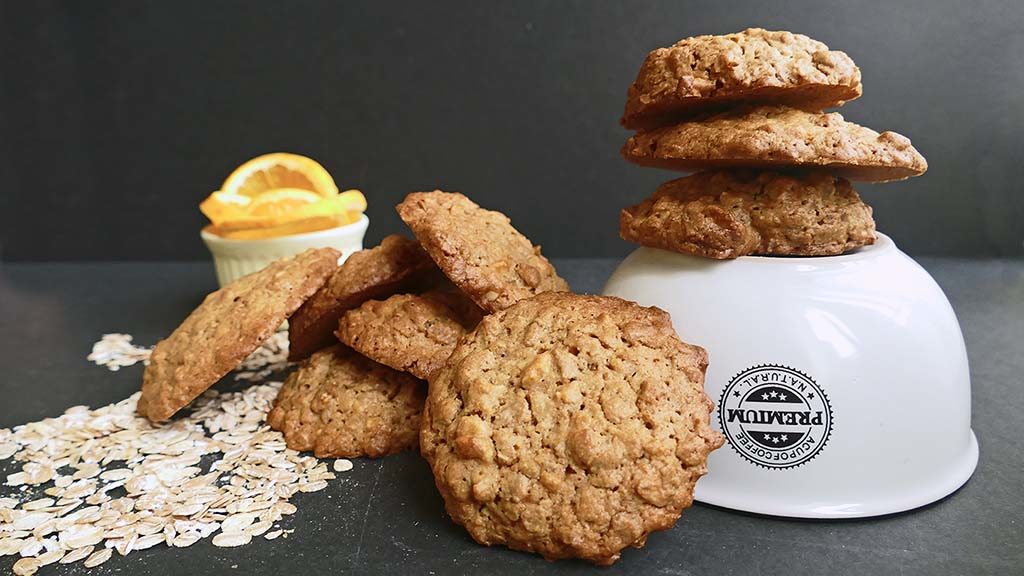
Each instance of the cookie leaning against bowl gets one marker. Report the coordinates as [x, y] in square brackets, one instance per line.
[413, 333]
[227, 327]
[341, 404]
[397, 264]
[569, 426]
[478, 249]
[773, 138]
[707, 73]
[729, 214]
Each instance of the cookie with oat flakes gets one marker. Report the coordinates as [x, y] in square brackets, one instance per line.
[707, 73]
[414, 333]
[731, 213]
[478, 249]
[775, 138]
[395, 265]
[227, 327]
[569, 426]
[340, 404]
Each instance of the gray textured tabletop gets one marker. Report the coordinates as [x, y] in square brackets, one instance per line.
[385, 516]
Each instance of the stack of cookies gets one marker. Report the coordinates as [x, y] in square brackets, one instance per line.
[745, 111]
[556, 423]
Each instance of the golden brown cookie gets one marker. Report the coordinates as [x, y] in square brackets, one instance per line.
[569, 426]
[414, 333]
[728, 214]
[772, 138]
[397, 264]
[708, 73]
[341, 404]
[478, 249]
[227, 327]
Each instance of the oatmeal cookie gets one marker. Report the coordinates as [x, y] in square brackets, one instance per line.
[773, 138]
[410, 332]
[396, 265]
[341, 404]
[227, 327]
[569, 426]
[479, 249]
[728, 214]
[707, 73]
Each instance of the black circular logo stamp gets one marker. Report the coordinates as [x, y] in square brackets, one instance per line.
[775, 416]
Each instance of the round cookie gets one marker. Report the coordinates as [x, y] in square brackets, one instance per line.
[227, 327]
[772, 138]
[413, 333]
[708, 73]
[569, 426]
[478, 249]
[340, 404]
[397, 264]
[728, 214]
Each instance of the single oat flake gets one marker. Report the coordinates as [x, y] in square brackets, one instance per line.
[95, 481]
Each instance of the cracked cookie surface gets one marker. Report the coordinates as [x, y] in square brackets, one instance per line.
[413, 333]
[395, 265]
[478, 249]
[569, 426]
[756, 66]
[227, 327]
[773, 138]
[341, 404]
[734, 213]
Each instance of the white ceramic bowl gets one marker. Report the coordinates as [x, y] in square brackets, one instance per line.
[236, 258]
[841, 382]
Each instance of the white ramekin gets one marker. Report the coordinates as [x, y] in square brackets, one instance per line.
[236, 258]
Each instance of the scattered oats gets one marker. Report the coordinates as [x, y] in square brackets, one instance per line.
[32, 547]
[231, 539]
[26, 566]
[38, 504]
[185, 540]
[217, 471]
[116, 474]
[313, 486]
[50, 557]
[148, 541]
[10, 546]
[30, 520]
[76, 555]
[79, 535]
[259, 528]
[98, 557]
[116, 351]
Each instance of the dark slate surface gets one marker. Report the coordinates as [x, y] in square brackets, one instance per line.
[386, 517]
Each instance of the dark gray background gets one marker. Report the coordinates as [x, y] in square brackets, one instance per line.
[117, 118]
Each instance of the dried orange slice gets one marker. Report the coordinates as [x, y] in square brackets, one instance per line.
[280, 207]
[297, 227]
[220, 207]
[279, 170]
[282, 203]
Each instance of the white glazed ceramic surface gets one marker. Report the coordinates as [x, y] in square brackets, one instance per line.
[236, 258]
[870, 329]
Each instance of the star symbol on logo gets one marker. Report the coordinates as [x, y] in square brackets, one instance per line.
[784, 437]
[775, 439]
[773, 394]
[736, 393]
[782, 396]
[764, 396]
[767, 437]
[810, 396]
